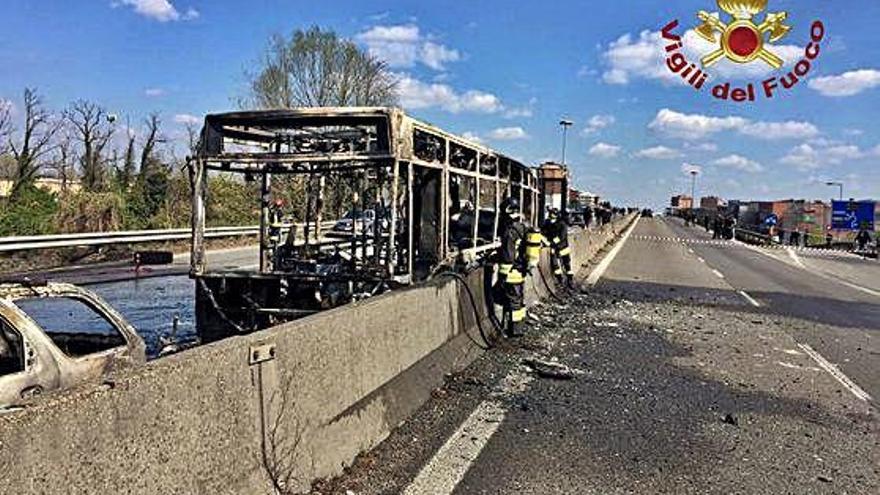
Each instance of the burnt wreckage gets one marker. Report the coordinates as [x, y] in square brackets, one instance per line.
[407, 198]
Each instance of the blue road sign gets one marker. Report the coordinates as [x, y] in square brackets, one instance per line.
[771, 219]
[852, 215]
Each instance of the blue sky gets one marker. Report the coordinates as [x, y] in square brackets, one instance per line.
[502, 72]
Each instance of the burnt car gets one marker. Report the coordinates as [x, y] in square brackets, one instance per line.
[56, 336]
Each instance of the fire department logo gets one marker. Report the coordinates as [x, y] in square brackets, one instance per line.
[742, 40]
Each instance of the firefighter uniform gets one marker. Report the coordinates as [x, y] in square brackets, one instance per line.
[518, 253]
[555, 232]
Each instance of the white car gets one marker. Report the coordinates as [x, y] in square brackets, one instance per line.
[56, 336]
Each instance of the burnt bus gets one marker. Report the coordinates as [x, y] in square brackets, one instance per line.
[402, 198]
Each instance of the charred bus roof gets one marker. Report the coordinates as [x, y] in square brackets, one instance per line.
[325, 134]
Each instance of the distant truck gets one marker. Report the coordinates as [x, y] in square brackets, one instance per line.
[56, 336]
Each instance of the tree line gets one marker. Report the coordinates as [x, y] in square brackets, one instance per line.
[110, 176]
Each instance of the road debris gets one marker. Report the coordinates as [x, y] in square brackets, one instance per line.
[549, 369]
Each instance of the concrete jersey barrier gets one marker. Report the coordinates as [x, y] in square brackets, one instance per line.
[282, 406]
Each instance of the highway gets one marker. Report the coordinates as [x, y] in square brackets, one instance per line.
[835, 296]
[698, 366]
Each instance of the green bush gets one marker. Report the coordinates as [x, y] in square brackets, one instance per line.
[31, 212]
[232, 202]
[87, 211]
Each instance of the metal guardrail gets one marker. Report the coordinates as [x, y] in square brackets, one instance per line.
[25, 243]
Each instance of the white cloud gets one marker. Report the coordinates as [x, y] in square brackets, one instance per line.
[687, 168]
[159, 10]
[380, 16]
[472, 136]
[820, 153]
[658, 153]
[154, 92]
[644, 57]
[586, 71]
[604, 150]
[739, 163]
[415, 94]
[521, 112]
[695, 126]
[780, 130]
[846, 84]
[508, 134]
[185, 118]
[692, 126]
[405, 46]
[853, 132]
[597, 123]
[515, 113]
[435, 56]
[701, 146]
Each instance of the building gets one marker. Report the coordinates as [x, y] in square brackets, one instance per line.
[553, 180]
[712, 203]
[50, 184]
[682, 202]
[804, 216]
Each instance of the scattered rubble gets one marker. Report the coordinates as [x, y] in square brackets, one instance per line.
[549, 369]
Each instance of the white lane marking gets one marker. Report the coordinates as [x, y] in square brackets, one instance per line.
[795, 258]
[449, 465]
[701, 259]
[690, 250]
[717, 273]
[749, 298]
[858, 287]
[828, 276]
[603, 265]
[836, 373]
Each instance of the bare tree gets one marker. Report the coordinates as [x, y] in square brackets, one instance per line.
[35, 142]
[151, 141]
[192, 139]
[5, 125]
[317, 68]
[93, 127]
[62, 161]
[126, 175]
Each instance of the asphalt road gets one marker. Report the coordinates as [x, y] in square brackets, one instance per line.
[835, 296]
[697, 366]
[238, 258]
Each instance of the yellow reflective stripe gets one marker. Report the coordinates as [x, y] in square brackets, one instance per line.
[515, 277]
[571, 272]
[518, 315]
[504, 268]
[534, 239]
[556, 240]
[565, 251]
[557, 271]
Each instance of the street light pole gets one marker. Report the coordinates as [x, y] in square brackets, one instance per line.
[694, 188]
[838, 184]
[565, 123]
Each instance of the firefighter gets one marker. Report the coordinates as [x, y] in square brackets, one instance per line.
[513, 265]
[555, 232]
